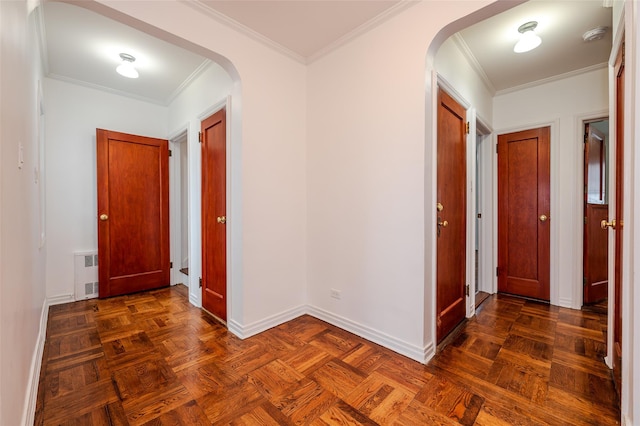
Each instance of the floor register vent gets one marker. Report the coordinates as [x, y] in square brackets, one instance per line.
[86, 275]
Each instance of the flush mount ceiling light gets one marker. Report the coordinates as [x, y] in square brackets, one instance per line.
[529, 40]
[126, 68]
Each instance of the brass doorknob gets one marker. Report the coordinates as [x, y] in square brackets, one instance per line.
[222, 219]
[104, 217]
[604, 224]
[543, 218]
[443, 223]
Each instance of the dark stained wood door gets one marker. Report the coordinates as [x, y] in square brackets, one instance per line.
[523, 213]
[214, 231]
[133, 212]
[619, 70]
[452, 213]
[595, 211]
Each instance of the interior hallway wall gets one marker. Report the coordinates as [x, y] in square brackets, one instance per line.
[454, 66]
[371, 174]
[22, 260]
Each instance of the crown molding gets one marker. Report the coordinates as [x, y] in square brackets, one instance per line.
[194, 75]
[363, 28]
[232, 23]
[106, 89]
[551, 79]
[468, 54]
[367, 26]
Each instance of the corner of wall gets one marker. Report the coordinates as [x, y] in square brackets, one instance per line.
[245, 331]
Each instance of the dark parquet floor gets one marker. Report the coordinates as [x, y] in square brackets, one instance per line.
[153, 359]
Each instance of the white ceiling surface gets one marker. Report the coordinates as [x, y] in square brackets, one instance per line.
[306, 27]
[561, 25]
[83, 46]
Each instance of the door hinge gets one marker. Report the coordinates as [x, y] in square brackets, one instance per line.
[585, 220]
[170, 153]
[467, 128]
[497, 272]
[200, 137]
[466, 289]
[496, 148]
[170, 265]
[200, 282]
[584, 281]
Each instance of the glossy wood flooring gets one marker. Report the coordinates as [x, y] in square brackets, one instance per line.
[154, 359]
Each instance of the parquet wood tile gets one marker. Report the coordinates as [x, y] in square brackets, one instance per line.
[153, 359]
[307, 402]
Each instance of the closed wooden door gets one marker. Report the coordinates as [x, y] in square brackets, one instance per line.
[618, 220]
[523, 213]
[133, 212]
[596, 210]
[452, 212]
[214, 231]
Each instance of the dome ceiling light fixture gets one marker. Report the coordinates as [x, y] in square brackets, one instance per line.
[594, 34]
[126, 68]
[529, 40]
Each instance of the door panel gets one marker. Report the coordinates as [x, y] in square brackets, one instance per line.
[214, 233]
[523, 213]
[133, 212]
[452, 229]
[595, 211]
[596, 248]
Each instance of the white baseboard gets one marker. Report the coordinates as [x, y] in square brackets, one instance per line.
[422, 355]
[259, 326]
[565, 303]
[29, 411]
[194, 300]
[60, 299]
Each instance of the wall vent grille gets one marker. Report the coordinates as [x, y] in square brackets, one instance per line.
[86, 275]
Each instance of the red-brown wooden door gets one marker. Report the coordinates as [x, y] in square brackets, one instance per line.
[619, 70]
[523, 213]
[133, 212]
[595, 266]
[214, 231]
[452, 213]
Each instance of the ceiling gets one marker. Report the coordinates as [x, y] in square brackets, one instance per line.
[83, 47]
[561, 25]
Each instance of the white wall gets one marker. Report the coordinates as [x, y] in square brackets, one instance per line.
[371, 164]
[22, 286]
[564, 104]
[202, 96]
[454, 67]
[73, 114]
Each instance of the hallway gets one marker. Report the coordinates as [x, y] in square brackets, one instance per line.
[152, 357]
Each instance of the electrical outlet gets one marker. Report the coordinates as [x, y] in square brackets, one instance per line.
[335, 293]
